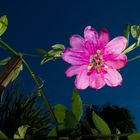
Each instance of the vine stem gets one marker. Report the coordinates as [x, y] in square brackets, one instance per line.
[9, 48]
[134, 58]
[32, 55]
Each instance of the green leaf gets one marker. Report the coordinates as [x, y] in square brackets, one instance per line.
[56, 51]
[94, 131]
[70, 120]
[2, 135]
[134, 136]
[17, 71]
[132, 47]
[86, 125]
[77, 107]
[64, 116]
[60, 112]
[21, 132]
[135, 31]
[58, 47]
[53, 132]
[100, 124]
[53, 53]
[4, 61]
[3, 24]
[46, 59]
[127, 31]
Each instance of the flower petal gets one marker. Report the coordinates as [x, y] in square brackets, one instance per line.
[91, 39]
[117, 62]
[78, 44]
[103, 38]
[74, 70]
[76, 41]
[90, 34]
[116, 45]
[75, 58]
[113, 77]
[82, 80]
[96, 81]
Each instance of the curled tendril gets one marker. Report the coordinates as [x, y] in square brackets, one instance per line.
[37, 89]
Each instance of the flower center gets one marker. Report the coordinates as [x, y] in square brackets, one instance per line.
[96, 61]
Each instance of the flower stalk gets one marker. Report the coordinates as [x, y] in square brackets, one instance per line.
[9, 48]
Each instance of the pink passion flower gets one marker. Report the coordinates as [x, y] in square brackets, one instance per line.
[94, 59]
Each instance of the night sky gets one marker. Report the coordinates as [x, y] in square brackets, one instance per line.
[42, 23]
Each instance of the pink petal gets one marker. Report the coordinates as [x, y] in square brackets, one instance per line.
[96, 81]
[82, 80]
[76, 41]
[91, 39]
[90, 34]
[116, 46]
[75, 58]
[117, 62]
[78, 46]
[74, 70]
[103, 38]
[113, 78]
[90, 47]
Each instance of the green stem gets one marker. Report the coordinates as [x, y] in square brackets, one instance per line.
[40, 89]
[29, 54]
[9, 48]
[131, 47]
[134, 58]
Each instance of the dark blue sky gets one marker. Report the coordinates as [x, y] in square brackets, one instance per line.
[42, 23]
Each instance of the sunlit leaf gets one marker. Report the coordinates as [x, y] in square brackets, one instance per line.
[46, 59]
[134, 136]
[4, 61]
[132, 47]
[3, 24]
[58, 47]
[52, 54]
[21, 132]
[77, 107]
[100, 124]
[17, 71]
[2, 135]
[135, 31]
[60, 112]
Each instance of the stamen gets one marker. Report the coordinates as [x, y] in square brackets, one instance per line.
[96, 61]
[90, 66]
[98, 51]
[106, 67]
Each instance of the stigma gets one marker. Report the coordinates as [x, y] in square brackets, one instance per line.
[96, 61]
